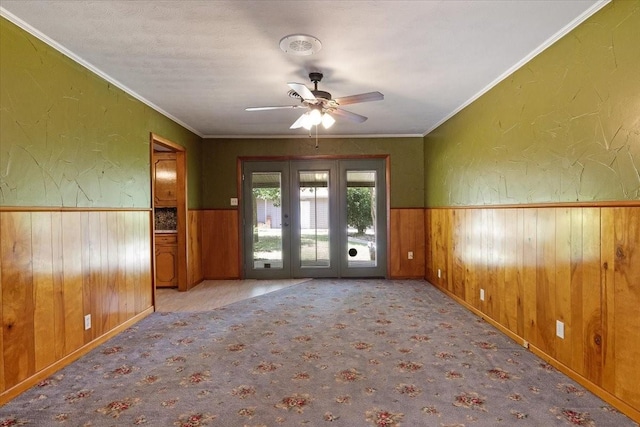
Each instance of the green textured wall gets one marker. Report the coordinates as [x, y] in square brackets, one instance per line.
[68, 138]
[563, 128]
[406, 164]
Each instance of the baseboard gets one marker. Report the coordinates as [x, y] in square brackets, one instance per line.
[620, 405]
[26, 384]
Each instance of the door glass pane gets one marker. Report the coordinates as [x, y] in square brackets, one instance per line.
[314, 219]
[361, 218]
[266, 189]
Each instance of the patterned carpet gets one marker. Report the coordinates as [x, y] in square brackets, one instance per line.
[325, 352]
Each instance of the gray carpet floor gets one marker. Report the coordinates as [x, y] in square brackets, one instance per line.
[325, 352]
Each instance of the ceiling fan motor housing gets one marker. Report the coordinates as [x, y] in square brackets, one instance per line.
[321, 94]
[315, 77]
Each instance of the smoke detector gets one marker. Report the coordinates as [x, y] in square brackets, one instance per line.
[300, 44]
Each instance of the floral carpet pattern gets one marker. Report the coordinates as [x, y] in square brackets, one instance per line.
[323, 353]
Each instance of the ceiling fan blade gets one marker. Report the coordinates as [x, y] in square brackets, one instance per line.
[362, 97]
[279, 107]
[303, 91]
[344, 114]
[298, 123]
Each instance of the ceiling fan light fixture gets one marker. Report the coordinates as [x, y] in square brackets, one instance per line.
[327, 120]
[300, 44]
[315, 117]
[306, 121]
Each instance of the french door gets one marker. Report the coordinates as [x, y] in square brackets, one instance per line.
[314, 218]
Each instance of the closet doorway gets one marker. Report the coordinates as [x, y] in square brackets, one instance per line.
[169, 204]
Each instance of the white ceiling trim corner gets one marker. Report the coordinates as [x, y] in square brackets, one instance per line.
[57, 46]
[550, 41]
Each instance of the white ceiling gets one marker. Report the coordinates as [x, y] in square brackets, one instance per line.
[203, 62]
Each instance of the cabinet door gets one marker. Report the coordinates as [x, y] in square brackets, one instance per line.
[166, 265]
[165, 177]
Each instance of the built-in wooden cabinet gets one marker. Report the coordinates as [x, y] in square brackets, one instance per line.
[165, 179]
[165, 197]
[169, 181]
[166, 259]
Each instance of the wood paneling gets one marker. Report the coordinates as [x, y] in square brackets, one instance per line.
[2, 374]
[621, 255]
[17, 297]
[58, 267]
[540, 265]
[406, 235]
[220, 244]
[194, 269]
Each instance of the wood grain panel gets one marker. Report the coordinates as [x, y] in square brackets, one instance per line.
[93, 277]
[440, 231]
[607, 259]
[57, 253]
[529, 274]
[473, 261]
[587, 283]
[220, 244]
[43, 290]
[429, 250]
[124, 310]
[17, 297]
[562, 295]
[622, 254]
[58, 266]
[195, 274]
[113, 276]
[459, 253]
[406, 235]
[2, 375]
[132, 269]
[73, 282]
[510, 294]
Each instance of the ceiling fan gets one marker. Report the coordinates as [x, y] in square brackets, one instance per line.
[321, 107]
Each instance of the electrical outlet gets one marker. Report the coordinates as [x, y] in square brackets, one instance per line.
[560, 329]
[439, 274]
[481, 294]
[234, 201]
[87, 322]
[410, 255]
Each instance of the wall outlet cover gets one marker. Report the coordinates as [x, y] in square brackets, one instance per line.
[560, 329]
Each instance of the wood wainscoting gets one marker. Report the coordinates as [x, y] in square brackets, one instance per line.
[220, 244]
[536, 266]
[406, 234]
[195, 274]
[58, 267]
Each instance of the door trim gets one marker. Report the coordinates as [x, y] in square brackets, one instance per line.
[181, 208]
